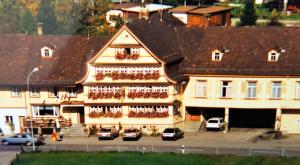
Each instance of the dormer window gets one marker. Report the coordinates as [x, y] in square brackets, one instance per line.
[217, 55]
[46, 52]
[273, 55]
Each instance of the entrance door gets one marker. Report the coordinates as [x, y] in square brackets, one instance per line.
[81, 115]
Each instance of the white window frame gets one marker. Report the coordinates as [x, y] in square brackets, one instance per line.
[228, 89]
[217, 55]
[52, 93]
[16, 91]
[273, 56]
[71, 92]
[251, 89]
[201, 88]
[35, 92]
[36, 110]
[276, 90]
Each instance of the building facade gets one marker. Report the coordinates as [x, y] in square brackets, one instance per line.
[152, 74]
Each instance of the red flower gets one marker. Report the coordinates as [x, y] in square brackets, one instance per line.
[99, 76]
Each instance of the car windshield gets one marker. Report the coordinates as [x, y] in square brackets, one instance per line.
[212, 121]
[169, 130]
[105, 130]
[130, 130]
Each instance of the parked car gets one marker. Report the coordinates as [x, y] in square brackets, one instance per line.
[215, 123]
[172, 133]
[21, 139]
[108, 133]
[132, 134]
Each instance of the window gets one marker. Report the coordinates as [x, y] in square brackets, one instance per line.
[35, 92]
[251, 89]
[16, 91]
[53, 92]
[9, 119]
[135, 51]
[45, 110]
[46, 53]
[71, 92]
[201, 89]
[273, 55]
[276, 90]
[217, 55]
[298, 90]
[226, 89]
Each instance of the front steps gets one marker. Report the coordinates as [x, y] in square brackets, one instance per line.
[76, 130]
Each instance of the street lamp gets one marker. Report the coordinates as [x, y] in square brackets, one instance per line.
[31, 114]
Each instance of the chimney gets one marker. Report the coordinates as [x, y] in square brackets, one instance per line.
[39, 28]
[144, 13]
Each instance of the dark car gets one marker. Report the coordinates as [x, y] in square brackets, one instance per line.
[21, 139]
[132, 134]
[172, 133]
[108, 133]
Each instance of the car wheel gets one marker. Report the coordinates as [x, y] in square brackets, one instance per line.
[28, 143]
[5, 143]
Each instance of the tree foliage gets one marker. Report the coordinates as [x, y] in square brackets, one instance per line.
[274, 19]
[248, 17]
[9, 16]
[27, 23]
[46, 15]
[93, 17]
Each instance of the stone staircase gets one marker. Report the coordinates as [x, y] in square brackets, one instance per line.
[76, 130]
[192, 126]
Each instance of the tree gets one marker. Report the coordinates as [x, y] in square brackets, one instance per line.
[93, 17]
[9, 16]
[119, 22]
[274, 19]
[46, 15]
[67, 23]
[26, 24]
[248, 17]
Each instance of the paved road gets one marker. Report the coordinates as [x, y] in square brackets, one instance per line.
[237, 142]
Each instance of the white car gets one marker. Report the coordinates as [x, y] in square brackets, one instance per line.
[215, 123]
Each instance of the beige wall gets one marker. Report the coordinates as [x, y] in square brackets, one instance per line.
[239, 89]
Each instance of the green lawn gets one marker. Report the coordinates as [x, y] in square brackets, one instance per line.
[126, 158]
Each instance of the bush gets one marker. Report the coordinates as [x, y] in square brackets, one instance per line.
[92, 130]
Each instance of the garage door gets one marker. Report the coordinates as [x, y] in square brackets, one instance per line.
[252, 118]
[290, 121]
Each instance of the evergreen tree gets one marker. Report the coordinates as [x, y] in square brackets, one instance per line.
[9, 16]
[248, 17]
[119, 22]
[26, 24]
[46, 15]
[93, 17]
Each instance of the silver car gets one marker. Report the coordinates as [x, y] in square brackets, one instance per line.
[21, 139]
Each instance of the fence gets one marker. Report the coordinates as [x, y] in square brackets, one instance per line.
[174, 149]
